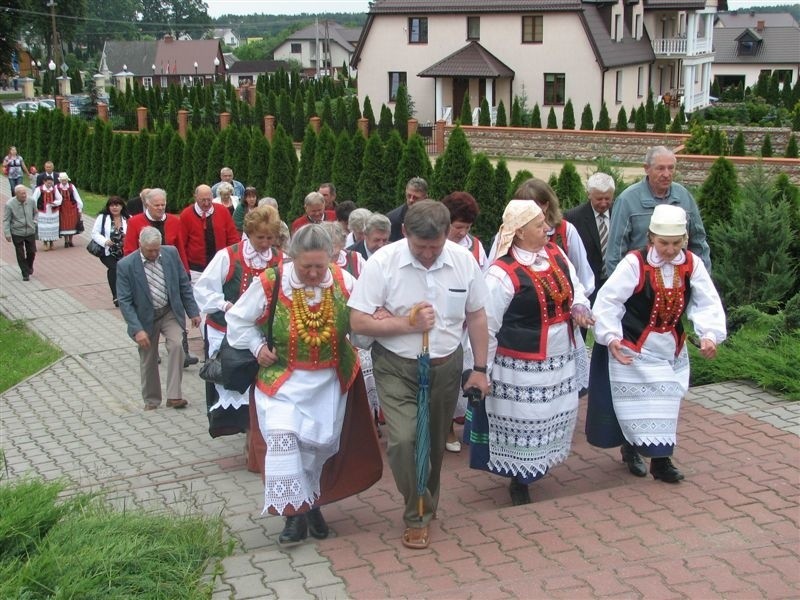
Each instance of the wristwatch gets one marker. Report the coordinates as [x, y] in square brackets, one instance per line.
[478, 369]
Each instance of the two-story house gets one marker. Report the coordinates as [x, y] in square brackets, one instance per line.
[747, 43]
[546, 51]
[324, 46]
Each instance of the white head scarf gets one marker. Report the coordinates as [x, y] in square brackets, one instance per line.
[518, 213]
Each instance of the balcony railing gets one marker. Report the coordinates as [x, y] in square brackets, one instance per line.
[679, 47]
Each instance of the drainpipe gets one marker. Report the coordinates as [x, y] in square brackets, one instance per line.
[602, 89]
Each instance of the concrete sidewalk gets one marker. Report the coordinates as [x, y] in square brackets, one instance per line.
[730, 530]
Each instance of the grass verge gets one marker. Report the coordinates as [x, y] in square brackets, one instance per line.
[763, 350]
[16, 364]
[81, 548]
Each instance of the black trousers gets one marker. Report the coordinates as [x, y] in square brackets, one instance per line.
[25, 247]
[111, 272]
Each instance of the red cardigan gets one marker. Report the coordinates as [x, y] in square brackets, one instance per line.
[194, 239]
[173, 235]
[330, 215]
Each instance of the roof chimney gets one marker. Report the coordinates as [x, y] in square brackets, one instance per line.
[760, 26]
[168, 39]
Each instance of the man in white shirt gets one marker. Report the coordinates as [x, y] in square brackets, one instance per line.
[423, 283]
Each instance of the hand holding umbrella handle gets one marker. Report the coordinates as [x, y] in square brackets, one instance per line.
[412, 319]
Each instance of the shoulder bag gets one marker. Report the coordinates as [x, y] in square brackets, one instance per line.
[94, 248]
[240, 367]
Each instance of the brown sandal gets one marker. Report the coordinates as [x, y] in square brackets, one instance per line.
[416, 538]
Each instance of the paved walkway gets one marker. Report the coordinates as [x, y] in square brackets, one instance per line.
[730, 530]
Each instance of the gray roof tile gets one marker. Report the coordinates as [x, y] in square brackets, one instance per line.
[779, 45]
[628, 51]
[470, 6]
[473, 60]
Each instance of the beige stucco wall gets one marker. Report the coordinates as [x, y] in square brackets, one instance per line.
[565, 50]
[307, 54]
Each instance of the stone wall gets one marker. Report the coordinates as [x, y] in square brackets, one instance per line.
[628, 147]
[693, 169]
[560, 144]
[754, 138]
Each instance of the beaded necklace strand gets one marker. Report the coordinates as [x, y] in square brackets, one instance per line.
[314, 328]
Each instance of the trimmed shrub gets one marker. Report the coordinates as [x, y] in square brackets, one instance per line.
[456, 164]
[569, 188]
[568, 118]
[552, 123]
[480, 183]
[466, 111]
[587, 118]
[500, 120]
[370, 183]
[718, 193]
[622, 120]
[604, 120]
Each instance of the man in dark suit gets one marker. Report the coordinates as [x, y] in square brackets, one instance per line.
[50, 170]
[416, 190]
[376, 235]
[592, 219]
[155, 296]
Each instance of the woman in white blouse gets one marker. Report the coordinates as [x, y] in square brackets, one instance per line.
[109, 231]
[639, 312]
[525, 425]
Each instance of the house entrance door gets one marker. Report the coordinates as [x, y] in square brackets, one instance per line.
[460, 87]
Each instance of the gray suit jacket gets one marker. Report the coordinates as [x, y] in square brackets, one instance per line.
[133, 292]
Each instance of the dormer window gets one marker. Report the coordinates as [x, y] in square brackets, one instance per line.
[747, 47]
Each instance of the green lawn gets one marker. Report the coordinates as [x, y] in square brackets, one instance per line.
[16, 364]
[52, 546]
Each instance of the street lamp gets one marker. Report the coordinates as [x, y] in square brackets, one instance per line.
[51, 65]
[216, 68]
[124, 68]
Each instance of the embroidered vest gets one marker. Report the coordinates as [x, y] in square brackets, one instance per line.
[46, 197]
[66, 195]
[532, 310]
[237, 280]
[293, 353]
[351, 266]
[645, 310]
[475, 248]
[559, 237]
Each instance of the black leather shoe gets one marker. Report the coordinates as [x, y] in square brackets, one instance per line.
[519, 493]
[317, 526]
[190, 360]
[631, 458]
[294, 532]
[663, 469]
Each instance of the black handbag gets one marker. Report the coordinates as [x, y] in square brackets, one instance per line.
[79, 228]
[211, 370]
[95, 249]
[240, 367]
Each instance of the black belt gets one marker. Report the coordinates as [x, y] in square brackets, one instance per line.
[434, 362]
[160, 312]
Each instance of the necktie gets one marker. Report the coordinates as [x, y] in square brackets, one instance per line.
[602, 228]
[155, 279]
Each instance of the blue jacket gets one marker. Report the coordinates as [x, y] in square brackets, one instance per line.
[630, 220]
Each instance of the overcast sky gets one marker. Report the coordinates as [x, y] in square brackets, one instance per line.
[290, 7]
[283, 7]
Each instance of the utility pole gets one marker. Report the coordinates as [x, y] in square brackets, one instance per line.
[56, 46]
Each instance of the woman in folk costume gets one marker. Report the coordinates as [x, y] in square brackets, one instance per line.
[464, 212]
[525, 425]
[48, 202]
[349, 260]
[301, 390]
[71, 209]
[639, 312]
[224, 280]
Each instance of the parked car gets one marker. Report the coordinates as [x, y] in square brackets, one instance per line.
[25, 106]
[47, 103]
